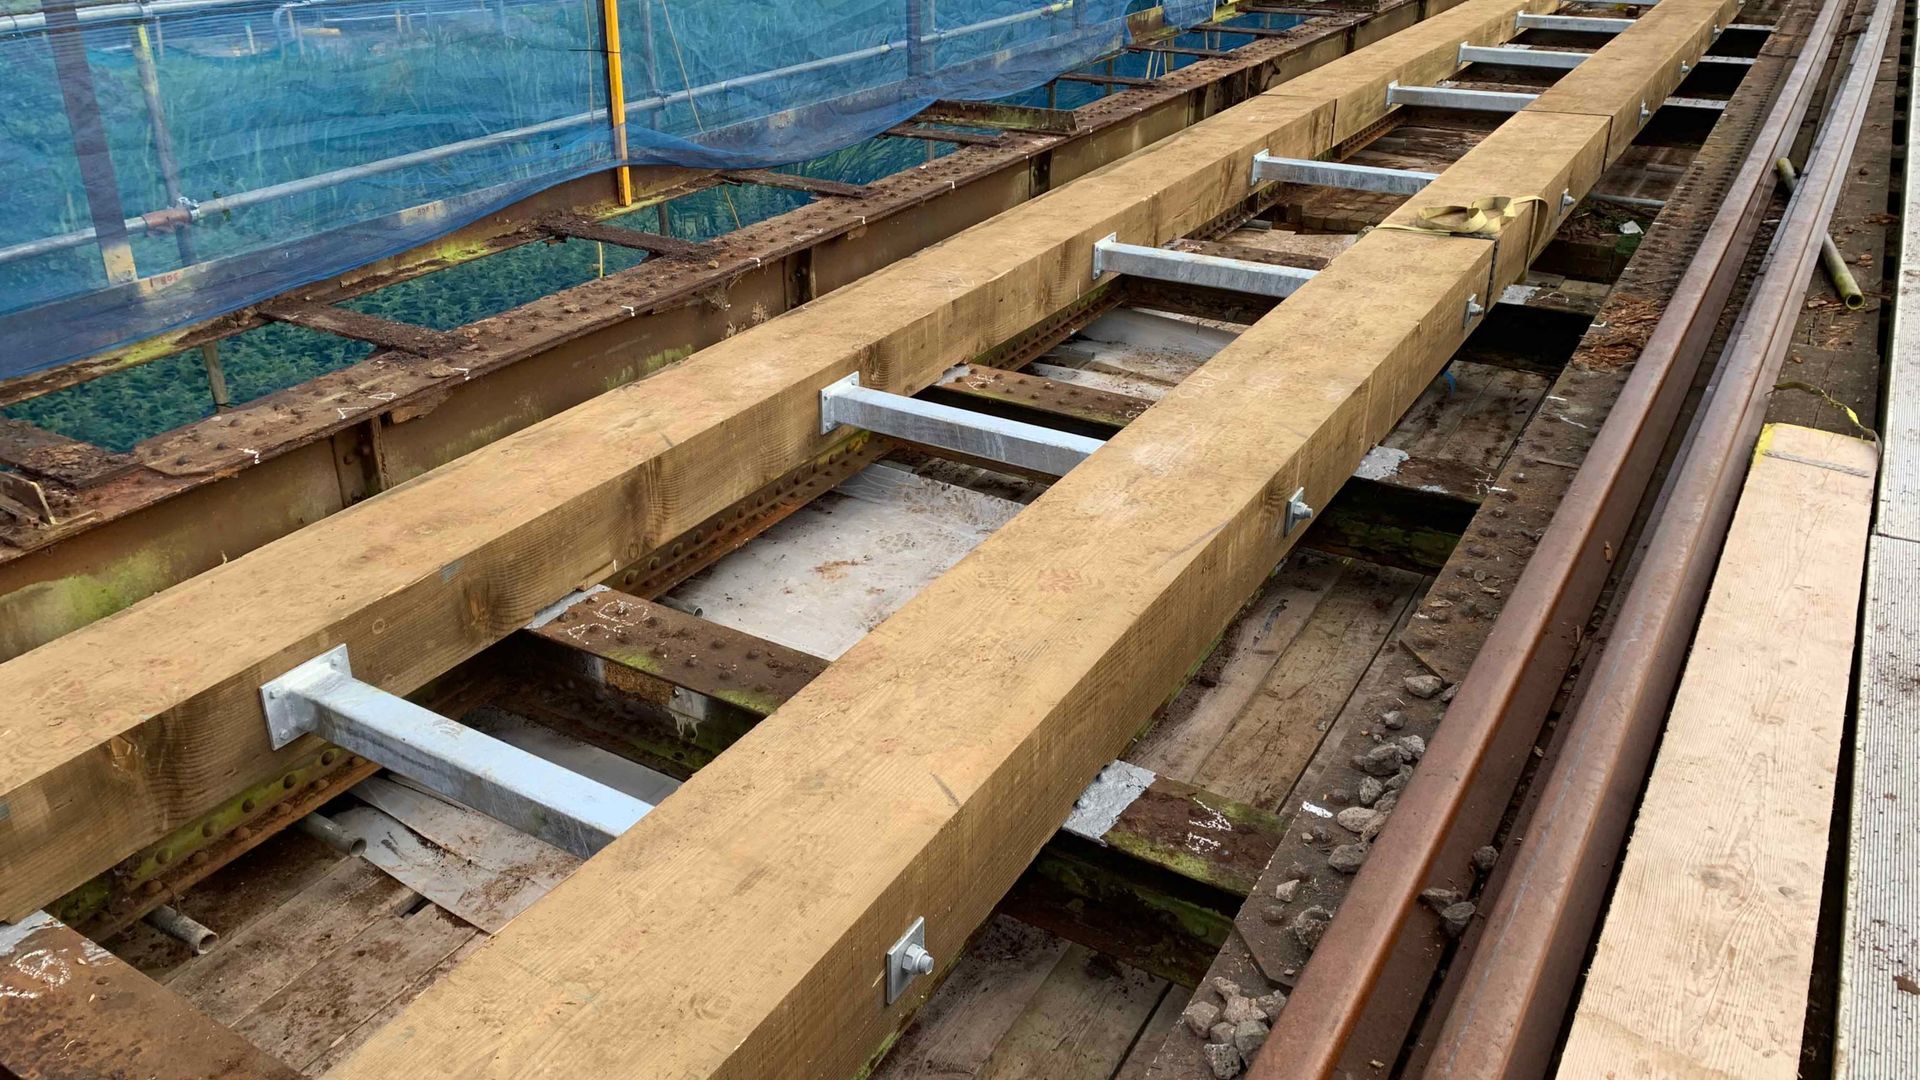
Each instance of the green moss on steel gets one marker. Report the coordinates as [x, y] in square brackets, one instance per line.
[91, 898]
[36, 614]
[255, 802]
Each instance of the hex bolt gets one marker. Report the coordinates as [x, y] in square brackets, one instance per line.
[918, 960]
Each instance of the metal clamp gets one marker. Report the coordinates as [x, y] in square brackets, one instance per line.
[1298, 512]
[908, 959]
[1474, 309]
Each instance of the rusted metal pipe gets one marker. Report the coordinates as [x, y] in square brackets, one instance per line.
[183, 928]
[1476, 757]
[333, 834]
[1521, 977]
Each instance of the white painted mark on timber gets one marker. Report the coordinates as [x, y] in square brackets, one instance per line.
[44, 966]
[1215, 820]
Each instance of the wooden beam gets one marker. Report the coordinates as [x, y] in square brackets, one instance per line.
[846, 822]
[1703, 962]
[918, 776]
[70, 1009]
[129, 727]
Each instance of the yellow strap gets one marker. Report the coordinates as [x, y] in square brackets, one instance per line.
[1852, 417]
[1481, 217]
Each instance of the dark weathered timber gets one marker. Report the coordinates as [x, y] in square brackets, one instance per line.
[958, 138]
[46, 455]
[70, 1009]
[580, 228]
[386, 333]
[794, 182]
[997, 115]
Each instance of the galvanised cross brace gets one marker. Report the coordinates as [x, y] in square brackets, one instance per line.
[321, 697]
[992, 438]
[1453, 97]
[1336, 174]
[1581, 24]
[1211, 271]
[1520, 56]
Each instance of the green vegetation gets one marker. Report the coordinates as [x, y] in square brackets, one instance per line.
[121, 409]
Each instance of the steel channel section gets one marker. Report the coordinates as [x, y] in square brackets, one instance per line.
[321, 697]
[1208, 271]
[1453, 97]
[1521, 977]
[1512, 56]
[1337, 174]
[1579, 24]
[1474, 760]
[992, 438]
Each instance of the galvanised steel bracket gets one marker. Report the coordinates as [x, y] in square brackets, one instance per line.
[1521, 56]
[1336, 174]
[321, 697]
[1188, 268]
[908, 960]
[1299, 512]
[993, 438]
[1581, 24]
[1454, 97]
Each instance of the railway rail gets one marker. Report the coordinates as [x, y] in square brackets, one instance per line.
[726, 721]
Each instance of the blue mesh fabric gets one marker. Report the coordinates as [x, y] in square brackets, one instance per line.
[313, 136]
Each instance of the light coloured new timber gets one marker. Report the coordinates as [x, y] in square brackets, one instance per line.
[1703, 964]
[739, 930]
[130, 727]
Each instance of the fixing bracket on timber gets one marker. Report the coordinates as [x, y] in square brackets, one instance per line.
[943, 427]
[321, 697]
[1190, 268]
[1337, 174]
[1299, 512]
[908, 960]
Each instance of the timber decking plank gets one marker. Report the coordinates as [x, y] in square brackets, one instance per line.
[1258, 759]
[1702, 966]
[955, 1032]
[264, 956]
[1081, 1023]
[130, 727]
[353, 983]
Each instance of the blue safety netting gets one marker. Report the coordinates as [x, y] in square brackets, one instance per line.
[168, 161]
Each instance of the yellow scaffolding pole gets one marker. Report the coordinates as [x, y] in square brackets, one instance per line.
[616, 98]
